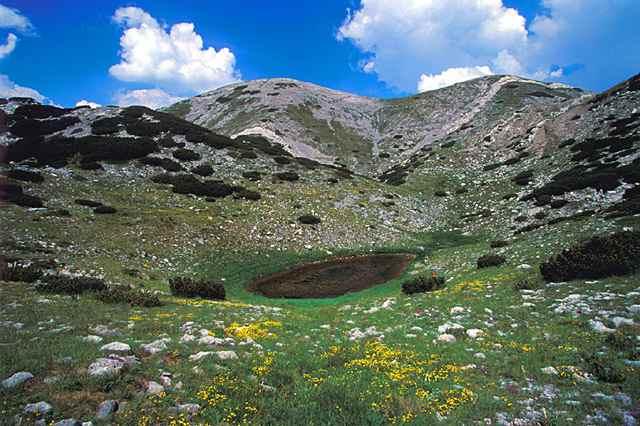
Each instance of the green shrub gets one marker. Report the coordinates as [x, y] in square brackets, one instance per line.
[67, 284]
[106, 126]
[599, 257]
[104, 210]
[498, 244]
[12, 193]
[558, 204]
[188, 287]
[525, 285]
[605, 368]
[524, 178]
[19, 273]
[25, 175]
[489, 260]
[203, 170]
[282, 160]
[247, 194]
[441, 194]
[87, 203]
[130, 296]
[309, 219]
[184, 154]
[251, 175]
[288, 176]
[422, 284]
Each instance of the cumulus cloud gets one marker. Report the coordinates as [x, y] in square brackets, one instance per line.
[173, 58]
[12, 18]
[152, 98]
[432, 41]
[9, 46]
[409, 38]
[10, 89]
[451, 76]
[90, 104]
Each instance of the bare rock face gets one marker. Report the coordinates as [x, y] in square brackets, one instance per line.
[369, 135]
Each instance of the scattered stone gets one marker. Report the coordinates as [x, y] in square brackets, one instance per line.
[226, 355]
[447, 338]
[600, 327]
[38, 408]
[154, 388]
[457, 310]
[156, 346]
[68, 422]
[117, 347]
[475, 333]
[92, 339]
[190, 409]
[197, 357]
[550, 371]
[16, 379]
[106, 409]
[112, 365]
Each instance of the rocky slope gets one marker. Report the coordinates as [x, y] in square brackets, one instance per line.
[370, 135]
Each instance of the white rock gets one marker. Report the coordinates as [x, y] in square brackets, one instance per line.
[457, 310]
[154, 388]
[451, 327]
[621, 321]
[191, 409]
[226, 355]
[116, 347]
[187, 338]
[474, 333]
[446, 338]
[388, 303]
[524, 266]
[156, 346]
[550, 371]
[16, 379]
[110, 366]
[634, 309]
[38, 408]
[600, 327]
[197, 357]
[479, 355]
[92, 338]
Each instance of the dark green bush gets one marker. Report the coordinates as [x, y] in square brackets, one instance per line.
[605, 368]
[188, 287]
[106, 126]
[130, 296]
[67, 284]
[282, 160]
[524, 178]
[247, 194]
[87, 203]
[524, 285]
[558, 204]
[309, 219]
[288, 176]
[105, 210]
[599, 257]
[441, 194]
[499, 243]
[12, 193]
[25, 175]
[251, 175]
[422, 284]
[29, 128]
[203, 170]
[40, 111]
[489, 260]
[209, 188]
[184, 154]
[18, 272]
[249, 155]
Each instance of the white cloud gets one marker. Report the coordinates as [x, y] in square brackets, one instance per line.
[407, 38]
[12, 18]
[451, 76]
[174, 60]
[10, 89]
[582, 42]
[7, 48]
[152, 98]
[90, 104]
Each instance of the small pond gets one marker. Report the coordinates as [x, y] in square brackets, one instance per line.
[334, 277]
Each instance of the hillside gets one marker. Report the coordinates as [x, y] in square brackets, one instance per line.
[370, 135]
[112, 216]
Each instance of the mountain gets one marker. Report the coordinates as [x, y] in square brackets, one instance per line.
[364, 133]
[474, 262]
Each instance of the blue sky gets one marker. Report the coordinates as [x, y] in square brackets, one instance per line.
[381, 48]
